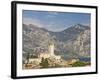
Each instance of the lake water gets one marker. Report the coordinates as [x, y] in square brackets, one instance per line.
[86, 59]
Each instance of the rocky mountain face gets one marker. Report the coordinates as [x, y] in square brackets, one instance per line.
[71, 42]
[82, 43]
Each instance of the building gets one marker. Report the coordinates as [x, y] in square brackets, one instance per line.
[51, 49]
[34, 60]
[46, 54]
[49, 53]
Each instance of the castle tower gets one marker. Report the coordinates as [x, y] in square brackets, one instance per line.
[51, 49]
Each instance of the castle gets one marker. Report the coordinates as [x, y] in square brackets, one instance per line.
[50, 53]
[46, 54]
[53, 59]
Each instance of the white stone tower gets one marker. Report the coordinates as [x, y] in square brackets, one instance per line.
[51, 49]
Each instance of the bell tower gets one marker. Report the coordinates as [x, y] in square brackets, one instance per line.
[51, 49]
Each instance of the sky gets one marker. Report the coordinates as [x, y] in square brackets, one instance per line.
[55, 21]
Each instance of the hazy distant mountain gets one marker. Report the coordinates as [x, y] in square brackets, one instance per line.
[71, 42]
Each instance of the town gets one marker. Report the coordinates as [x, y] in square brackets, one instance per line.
[48, 59]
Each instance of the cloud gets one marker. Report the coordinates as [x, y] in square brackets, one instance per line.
[28, 21]
[52, 14]
[55, 27]
[50, 25]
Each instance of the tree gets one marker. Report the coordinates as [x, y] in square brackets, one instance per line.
[27, 57]
[44, 63]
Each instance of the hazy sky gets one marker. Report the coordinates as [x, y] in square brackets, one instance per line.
[55, 21]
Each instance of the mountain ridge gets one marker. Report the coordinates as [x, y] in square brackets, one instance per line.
[36, 37]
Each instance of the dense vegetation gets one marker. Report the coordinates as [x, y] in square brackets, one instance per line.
[79, 64]
[44, 63]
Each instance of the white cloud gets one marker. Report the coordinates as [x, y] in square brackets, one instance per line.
[52, 14]
[28, 21]
[51, 26]
[55, 27]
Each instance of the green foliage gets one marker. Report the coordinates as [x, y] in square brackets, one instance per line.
[79, 64]
[27, 57]
[44, 63]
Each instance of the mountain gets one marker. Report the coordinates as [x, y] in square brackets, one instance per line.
[71, 42]
[70, 33]
[35, 37]
[82, 43]
[73, 31]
